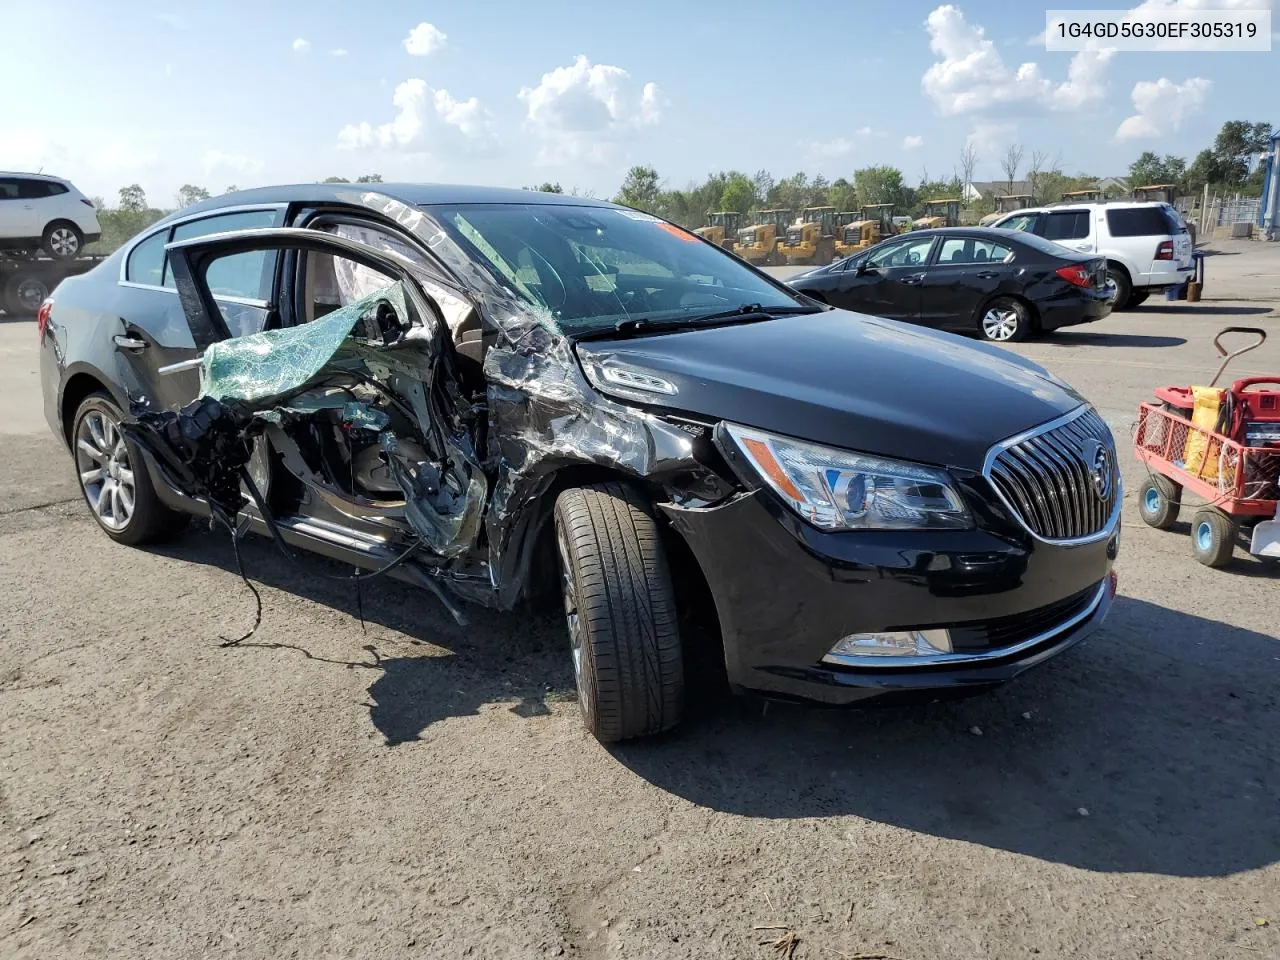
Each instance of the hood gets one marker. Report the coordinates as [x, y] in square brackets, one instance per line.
[852, 381]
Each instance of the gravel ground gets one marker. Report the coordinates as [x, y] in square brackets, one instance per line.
[407, 788]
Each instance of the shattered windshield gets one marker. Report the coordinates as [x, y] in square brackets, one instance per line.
[590, 267]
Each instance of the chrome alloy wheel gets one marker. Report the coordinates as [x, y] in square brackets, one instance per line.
[1000, 323]
[106, 475]
[64, 242]
[572, 619]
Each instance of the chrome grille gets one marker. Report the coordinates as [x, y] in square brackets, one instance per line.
[1062, 481]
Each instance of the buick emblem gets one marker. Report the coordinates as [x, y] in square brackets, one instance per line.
[1098, 457]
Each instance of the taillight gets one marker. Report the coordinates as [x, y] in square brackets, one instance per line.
[1075, 274]
[42, 317]
[1165, 250]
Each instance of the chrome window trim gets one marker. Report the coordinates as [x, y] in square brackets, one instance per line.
[170, 224]
[1112, 521]
[944, 659]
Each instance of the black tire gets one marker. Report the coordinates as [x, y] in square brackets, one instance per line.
[23, 294]
[1124, 286]
[621, 610]
[1004, 320]
[149, 520]
[1159, 500]
[1213, 537]
[1137, 298]
[62, 240]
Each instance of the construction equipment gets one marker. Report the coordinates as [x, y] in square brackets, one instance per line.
[1007, 203]
[758, 243]
[1091, 195]
[812, 239]
[938, 213]
[874, 223]
[1159, 192]
[722, 228]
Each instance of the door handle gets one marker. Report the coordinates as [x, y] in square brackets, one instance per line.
[129, 343]
[914, 279]
[987, 274]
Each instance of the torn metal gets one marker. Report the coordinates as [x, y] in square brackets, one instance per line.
[368, 410]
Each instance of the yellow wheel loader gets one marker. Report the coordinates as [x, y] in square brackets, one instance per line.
[758, 243]
[938, 213]
[722, 228]
[1007, 203]
[813, 239]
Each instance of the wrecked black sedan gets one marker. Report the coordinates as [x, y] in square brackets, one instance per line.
[500, 394]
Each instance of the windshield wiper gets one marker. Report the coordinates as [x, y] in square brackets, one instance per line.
[642, 326]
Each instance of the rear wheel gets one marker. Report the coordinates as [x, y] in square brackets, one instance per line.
[62, 240]
[620, 609]
[1213, 536]
[114, 479]
[1005, 320]
[1159, 500]
[1123, 287]
[1137, 299]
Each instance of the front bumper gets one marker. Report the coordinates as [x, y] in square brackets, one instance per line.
[785, 593]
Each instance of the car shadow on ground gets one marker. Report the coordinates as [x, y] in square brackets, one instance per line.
[1096, 339]
[434, 670]
[1152, 748]
[1174, 308]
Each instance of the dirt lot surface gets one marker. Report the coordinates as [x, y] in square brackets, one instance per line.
[414, 789]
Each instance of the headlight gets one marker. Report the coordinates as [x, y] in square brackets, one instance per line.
[837, 489]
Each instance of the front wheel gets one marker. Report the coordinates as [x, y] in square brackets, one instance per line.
[1159, 500]
[1213, 537]
[1137, 299]
[621, 612]
[1005, 320]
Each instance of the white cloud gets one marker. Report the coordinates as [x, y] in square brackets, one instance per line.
[216, 161]
[422, 111]
[174, 20]
[1162, 106]
[1086, 81]
[338, 52]
[582, 110]
[970, 75]
[912, 142]
[839, 147]
[301, 46]
[424, 40]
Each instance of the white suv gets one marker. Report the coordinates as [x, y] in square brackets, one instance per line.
[1146, 244]
[45, 212]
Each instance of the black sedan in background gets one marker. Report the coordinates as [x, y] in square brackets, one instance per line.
[1000, 284]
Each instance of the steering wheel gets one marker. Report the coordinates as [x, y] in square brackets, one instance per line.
[913, 258]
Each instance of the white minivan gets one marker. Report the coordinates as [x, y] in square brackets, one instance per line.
[1146, 244]
[47, 213]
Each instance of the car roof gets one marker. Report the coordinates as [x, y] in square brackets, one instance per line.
[33, 176]
[413, 194]
[1062, 206]
[988, 232]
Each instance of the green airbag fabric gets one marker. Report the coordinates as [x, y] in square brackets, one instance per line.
[265, 366]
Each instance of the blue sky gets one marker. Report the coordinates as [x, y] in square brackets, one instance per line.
[492, 91]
